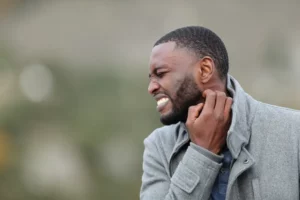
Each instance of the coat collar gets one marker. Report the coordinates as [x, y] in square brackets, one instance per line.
[243, 112]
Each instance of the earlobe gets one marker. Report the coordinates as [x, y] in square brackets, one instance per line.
[207, 68]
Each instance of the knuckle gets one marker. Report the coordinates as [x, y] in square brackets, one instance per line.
[221, 94]
[208, 92]
[191, 108]
[229, 99]
[219, 117]
[188, 123]
[212, 93]
[207, 115]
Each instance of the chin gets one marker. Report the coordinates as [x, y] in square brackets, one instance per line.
[172, 118]
[167, 122]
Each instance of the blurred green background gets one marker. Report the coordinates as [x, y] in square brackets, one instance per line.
[74, 108]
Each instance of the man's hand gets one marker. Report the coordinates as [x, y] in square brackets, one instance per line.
[208, 123]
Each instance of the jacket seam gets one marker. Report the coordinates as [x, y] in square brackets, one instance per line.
[281, 108]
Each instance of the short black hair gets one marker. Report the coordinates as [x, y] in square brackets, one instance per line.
[203, 42]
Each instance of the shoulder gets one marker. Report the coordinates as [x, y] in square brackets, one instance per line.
[165, 134]
[166, 138]
[281, 115]
[282, 111]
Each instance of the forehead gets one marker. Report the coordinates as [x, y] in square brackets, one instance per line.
[168, 54]
[163, 49]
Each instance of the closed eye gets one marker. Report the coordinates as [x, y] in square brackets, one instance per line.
[160, 74]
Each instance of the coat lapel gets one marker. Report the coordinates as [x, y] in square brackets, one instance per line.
[243, 111]
[244, 162]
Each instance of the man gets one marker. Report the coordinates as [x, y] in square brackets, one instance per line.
[218, 142]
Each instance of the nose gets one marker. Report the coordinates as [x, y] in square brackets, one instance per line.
[152, 87]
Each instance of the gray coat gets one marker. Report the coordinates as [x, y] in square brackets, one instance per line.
[263, 140]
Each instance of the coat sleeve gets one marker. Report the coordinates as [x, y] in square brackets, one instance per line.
[193, 178]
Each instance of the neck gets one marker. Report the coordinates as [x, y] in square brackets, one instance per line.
[219, 85]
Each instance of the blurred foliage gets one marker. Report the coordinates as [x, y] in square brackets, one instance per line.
[95, 107]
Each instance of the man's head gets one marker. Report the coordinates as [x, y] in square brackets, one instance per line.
[183, 63]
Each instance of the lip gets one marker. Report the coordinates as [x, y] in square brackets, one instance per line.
[160, 96]
[161, 107]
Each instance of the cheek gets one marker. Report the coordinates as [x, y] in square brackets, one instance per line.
[174, 86]
[177, 83]
[171, 84]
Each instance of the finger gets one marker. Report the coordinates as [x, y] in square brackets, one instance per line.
[210, 100]
[227, 108]
[204, 94]
[194, 112]
[220, 104]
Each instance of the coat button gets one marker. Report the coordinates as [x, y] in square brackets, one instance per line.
[246, 161]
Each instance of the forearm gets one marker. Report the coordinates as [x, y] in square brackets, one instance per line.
[193, 178]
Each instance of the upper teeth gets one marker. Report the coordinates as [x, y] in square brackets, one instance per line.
[162, 100]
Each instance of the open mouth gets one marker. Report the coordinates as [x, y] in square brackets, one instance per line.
[161, 103]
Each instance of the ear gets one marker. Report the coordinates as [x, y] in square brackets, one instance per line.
[206, 69]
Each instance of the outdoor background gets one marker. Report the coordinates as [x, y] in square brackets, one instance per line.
[74, 108]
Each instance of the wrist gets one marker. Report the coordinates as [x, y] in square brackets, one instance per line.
[207, 153]
[214, 150]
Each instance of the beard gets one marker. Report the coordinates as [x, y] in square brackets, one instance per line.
[188, 94]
